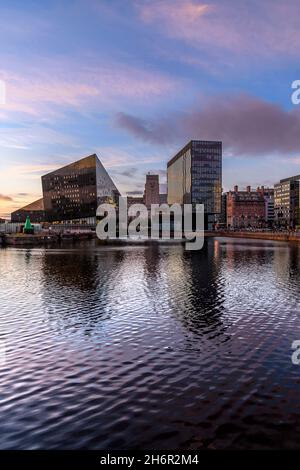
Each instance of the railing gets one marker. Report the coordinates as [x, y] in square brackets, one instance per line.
[17, 228]
[71, 228]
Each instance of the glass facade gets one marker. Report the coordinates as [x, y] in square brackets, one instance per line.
[180, 177]
[76, 190]
[35, 211]
[195, 176]
[286, 202]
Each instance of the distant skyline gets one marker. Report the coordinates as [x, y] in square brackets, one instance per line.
[135, 80]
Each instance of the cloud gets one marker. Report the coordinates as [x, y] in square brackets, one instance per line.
[46, 90]
[5, 198]
[9, 204]
[161, 173]
[133, 156]
[129, 172]
[228, 26]
[189, 11]
[154, 132]
[248, 126]
[32, 136]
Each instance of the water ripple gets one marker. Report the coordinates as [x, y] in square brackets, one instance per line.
[150, 347]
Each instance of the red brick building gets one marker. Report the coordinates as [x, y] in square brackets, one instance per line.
[245, 208]
[151, 194]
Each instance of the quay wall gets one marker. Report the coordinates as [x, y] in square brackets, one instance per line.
[42, 239]
[282, 237]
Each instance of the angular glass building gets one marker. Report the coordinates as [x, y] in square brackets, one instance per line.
[195, 177]
[74, 192]
[35, 211]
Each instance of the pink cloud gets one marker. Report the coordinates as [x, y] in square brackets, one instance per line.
[3, 197]
[190, 11]
[47, 89]
[247, 126]
[252, 28]
[32, 135]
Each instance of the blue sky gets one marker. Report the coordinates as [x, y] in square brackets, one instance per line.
[134, 80]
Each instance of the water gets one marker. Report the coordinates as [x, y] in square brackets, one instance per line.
[150, 347]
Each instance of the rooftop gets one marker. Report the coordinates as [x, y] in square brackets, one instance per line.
[188, 146]
[34, 206]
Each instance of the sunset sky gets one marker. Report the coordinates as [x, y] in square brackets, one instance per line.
[134, 80]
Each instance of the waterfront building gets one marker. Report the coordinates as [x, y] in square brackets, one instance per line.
[195, 177]
[35, 211]
[286, 202]
[151, 193]
[268, 194]
[222, 218]
[74, 192]
[245, 209]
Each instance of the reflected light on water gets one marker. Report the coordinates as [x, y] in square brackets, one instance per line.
[150, 347]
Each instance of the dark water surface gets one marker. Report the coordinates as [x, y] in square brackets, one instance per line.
[150, 347]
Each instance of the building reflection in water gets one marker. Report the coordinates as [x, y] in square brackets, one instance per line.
[75, 285]
[88, 286]
[150, 347]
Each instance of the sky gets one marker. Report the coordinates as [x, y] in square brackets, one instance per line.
[135, 80]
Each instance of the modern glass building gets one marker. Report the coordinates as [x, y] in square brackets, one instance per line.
[35, 211]
[195, 177]
[286, 202]
[74, 192]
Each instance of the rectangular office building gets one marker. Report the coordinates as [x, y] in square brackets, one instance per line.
[74, 192]
[286, 202]
[195, 177]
